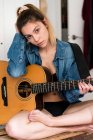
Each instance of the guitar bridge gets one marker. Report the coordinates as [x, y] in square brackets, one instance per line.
[4, 91]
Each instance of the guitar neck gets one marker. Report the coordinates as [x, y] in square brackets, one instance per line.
[58, 86]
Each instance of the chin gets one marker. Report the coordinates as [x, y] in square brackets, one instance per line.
[43, 46]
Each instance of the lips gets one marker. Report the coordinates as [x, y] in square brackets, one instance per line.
[39, 44]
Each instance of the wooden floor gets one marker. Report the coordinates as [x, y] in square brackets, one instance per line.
[66, 136]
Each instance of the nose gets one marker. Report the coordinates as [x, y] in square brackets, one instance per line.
[36, 37]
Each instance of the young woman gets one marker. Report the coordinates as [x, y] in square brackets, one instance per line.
[62, 111]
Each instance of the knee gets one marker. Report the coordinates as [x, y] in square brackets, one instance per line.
[16, 132]
[91, 109]
[13, 130]
[10, 130]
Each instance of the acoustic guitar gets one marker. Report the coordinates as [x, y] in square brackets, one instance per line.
[18, 94]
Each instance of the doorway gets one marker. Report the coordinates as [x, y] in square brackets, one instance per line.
[64, 20]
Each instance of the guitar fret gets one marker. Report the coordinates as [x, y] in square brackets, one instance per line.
[48, 85]
[89, 81]
[51, 86]
[46, 89]
[41, 89]
[69, 85]
[65, 85]
[60, 86]
[56, 85]
[36, 88]
[73, 84]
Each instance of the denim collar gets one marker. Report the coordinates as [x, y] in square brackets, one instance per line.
[34, 49]
[59, 52]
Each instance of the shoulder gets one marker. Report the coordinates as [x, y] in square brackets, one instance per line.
[62, 45]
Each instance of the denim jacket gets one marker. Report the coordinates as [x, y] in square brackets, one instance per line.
[21, 54]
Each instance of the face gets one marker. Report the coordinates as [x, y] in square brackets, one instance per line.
[36, 33]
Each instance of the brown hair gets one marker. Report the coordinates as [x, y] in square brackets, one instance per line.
[32, 13]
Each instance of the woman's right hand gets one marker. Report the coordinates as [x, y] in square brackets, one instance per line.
[85, 88]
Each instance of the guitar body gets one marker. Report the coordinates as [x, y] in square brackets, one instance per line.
[17, 99]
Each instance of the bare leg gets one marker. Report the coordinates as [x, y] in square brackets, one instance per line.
[78, 106]
[20, 128]
[83, 116]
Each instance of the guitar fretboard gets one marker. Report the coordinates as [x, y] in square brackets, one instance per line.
[57, 86]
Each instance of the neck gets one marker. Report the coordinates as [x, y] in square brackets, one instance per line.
[47, 49]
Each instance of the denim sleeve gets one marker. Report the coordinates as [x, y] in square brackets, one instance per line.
[72, 95]
[71, 73]
[17, 56]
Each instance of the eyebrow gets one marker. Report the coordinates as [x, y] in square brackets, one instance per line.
[35, 28]
[26, 35]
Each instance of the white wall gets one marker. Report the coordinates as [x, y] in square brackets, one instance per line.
[7, 22]
[54, 14]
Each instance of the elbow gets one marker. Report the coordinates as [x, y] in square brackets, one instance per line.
[15, 72]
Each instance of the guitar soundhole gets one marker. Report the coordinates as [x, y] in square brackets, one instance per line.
[24, 89]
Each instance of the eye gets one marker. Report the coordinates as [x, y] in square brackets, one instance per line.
[37, 30]
[28, 36]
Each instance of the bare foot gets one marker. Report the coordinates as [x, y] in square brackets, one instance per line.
[39, 116]
[90, 128]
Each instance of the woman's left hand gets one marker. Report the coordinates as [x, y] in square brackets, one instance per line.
[84, 88]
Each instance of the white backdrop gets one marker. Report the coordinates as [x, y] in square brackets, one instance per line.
[7, 22]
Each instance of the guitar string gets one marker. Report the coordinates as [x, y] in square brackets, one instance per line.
[51, 86]
[72, 82]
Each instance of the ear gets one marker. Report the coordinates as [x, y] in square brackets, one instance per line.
[45, 22]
